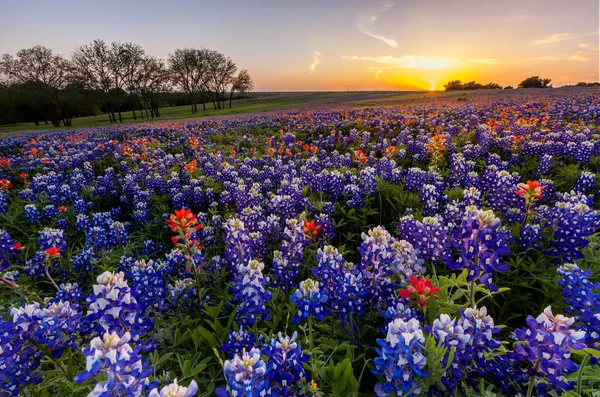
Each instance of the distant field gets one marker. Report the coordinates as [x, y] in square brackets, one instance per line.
[262, 102]
[266, 102]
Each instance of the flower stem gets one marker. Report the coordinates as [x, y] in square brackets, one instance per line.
[532, 379]
[472, 293]
[48, 276]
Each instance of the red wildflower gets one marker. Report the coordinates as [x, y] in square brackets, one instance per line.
[5, 184]
[52, 252]
[62, 208]
[530, 190]
[17, 246]
[194, 143]
[420, 291]
[190, 167]
[183, 219]
[312, 229]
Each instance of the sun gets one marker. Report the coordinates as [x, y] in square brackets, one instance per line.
[432, 89]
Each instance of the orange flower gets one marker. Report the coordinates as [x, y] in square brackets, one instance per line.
[194, 142]
[311, 229]
[391, 150]
[190, 167]
[360, 156]
[232, 152]
[5, 162]
[62, 208]
[52, 252]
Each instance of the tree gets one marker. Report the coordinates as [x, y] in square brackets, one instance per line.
[508, 87]
[92, 68]
[49, 73]
[492, 86]
[454, 85]
[152, 80]
[242, 83]
[125, 59]
[535, 82]
[188, 69]
[221, 71]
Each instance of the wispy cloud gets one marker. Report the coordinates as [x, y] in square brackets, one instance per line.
[366, 22]
[376, 72]
[316, 60]
[558, 37]
[408, 61]
[484, 61]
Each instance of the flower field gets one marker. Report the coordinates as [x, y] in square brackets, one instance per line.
[445, 248]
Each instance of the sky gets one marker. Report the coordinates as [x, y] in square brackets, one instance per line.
[314, 45]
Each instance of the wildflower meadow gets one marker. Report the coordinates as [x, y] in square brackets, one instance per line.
[429, 249]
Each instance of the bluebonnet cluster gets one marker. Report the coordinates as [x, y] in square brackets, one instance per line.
[582, 300]
[250, 294]
[126, 373]
[310, 300]
[548, 343]
[430, 235]
[480, 243]
[285, 368]
[112, 308]
[245, 374]
[400, 359]
[288, 258]
[238, 341]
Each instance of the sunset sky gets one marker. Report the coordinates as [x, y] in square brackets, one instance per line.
[335, 44]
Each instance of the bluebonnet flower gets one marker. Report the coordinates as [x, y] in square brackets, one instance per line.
[582, 300]
[310, 300]
[250, 294]
[586, 182]
[544, 165]
[126, 373]
[288, 258]
[238, 341]
[480, 243]
[549, 341]
[19, 358]
[175, 390]
[406, 261]
[113, 308]
[572, 221]
[148, 284]
[429, 236]
[375, 267]
[245, 374]
[285, 366]
[400, 359]
[183, 293]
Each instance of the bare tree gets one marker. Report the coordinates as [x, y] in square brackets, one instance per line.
[188, 71]
[242, 83]
[221, 70]
[152, 79]
[124, 61]
[92, 68]
[48, 72]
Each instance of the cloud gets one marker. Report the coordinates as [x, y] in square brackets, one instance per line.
[557, 37]
[365, 24]
[484, 61]
[376, 72]
[408, 61]
[316, 60]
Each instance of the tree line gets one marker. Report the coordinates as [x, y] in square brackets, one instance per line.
[530, 82]
[38, 85]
